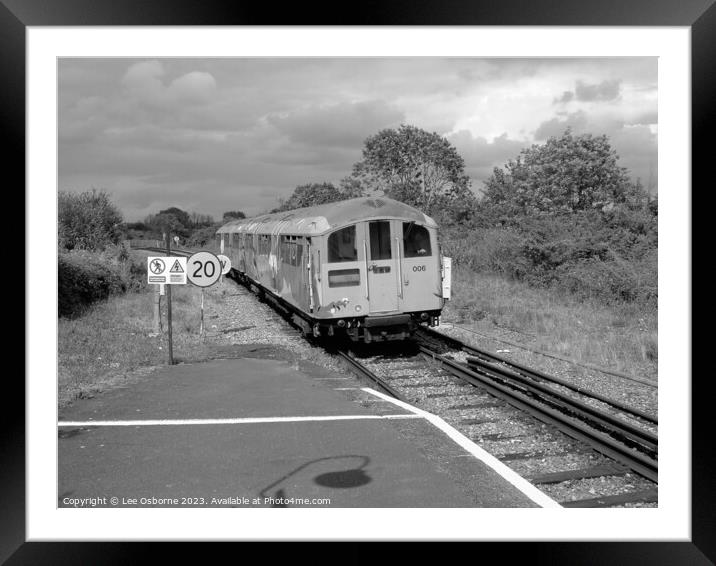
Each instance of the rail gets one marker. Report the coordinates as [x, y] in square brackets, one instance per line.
[635, 460]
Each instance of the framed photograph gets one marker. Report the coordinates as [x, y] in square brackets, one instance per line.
[105, 93]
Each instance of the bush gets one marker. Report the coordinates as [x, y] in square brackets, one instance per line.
[86, 277]
[611, 281]
[487, 250]
[609, 256]
[202, 237]
[87, 221]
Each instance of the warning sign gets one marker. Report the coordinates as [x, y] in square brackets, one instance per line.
[166, 270]
[177, 268]
[156, 266]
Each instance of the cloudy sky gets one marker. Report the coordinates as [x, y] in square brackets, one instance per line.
[211, 135]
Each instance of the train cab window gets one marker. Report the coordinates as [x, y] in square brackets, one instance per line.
[342, 245]
[416, 240]
[380, 240]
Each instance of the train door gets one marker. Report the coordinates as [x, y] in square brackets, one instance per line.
[421, 281]
[381, 265]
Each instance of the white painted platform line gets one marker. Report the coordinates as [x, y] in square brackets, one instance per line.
[509, 474]
[246, 420]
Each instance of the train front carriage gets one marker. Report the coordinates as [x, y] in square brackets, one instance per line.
[367, 267]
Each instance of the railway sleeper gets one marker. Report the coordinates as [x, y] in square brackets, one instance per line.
[446, 394]
[646, 496]
[580, 474]
[474, 421]
[486, 405]
[498, 436]
[529, 455]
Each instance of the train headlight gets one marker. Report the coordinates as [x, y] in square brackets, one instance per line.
[358, 308]
[333, 310]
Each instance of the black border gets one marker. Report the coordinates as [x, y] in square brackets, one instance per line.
[700, 15]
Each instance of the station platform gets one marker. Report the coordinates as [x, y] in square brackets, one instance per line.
[267, 433]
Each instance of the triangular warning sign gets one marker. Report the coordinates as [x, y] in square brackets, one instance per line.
[176, 268]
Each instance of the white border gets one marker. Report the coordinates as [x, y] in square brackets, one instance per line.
[671, 521]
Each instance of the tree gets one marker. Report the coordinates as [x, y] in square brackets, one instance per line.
[183, 217]
[232, 215]
[199, 220]
[566, 174]
[87, 220]
[416, 167]
[201, 237]
[350, 187]
[310, 194]
[178, 221]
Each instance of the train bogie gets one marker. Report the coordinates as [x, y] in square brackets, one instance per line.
[369, 268]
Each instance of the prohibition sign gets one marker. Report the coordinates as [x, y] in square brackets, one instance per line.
[156, 266]
[203, 269]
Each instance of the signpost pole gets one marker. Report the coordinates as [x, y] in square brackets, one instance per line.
[201, 325]
[221, 251]
[157, 309]
[170, 353]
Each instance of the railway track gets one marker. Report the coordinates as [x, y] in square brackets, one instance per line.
[506, 419]
[163, 250]
[631, 441]
[580, 447]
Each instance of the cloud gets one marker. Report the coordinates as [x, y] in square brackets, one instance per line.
[650, 117]
[567, 96]
[225, 133]
[601, 92]
[606, 90]
[143, 83]
[482, 156]
[556, 127]
[344, 124]
[193, 87]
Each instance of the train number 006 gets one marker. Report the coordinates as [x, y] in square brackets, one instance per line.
[418, 268]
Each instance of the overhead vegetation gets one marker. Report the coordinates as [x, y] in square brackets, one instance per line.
[417, 167]
[177, 221]
[313, 194]
[566, 174]
[232, 215]
[565, 215]
[408, 164]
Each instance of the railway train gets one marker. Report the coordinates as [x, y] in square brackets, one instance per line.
[370, 268]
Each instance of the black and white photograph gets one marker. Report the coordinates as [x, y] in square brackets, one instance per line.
[392, 282]
[412, 285]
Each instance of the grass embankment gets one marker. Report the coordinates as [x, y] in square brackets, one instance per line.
[621, 337]
[106, 345]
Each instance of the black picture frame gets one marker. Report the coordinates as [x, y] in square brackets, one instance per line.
[699, 15]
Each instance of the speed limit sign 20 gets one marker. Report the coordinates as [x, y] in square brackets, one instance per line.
[203, 269]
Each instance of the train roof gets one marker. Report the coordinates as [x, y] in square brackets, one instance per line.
[317, 220]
